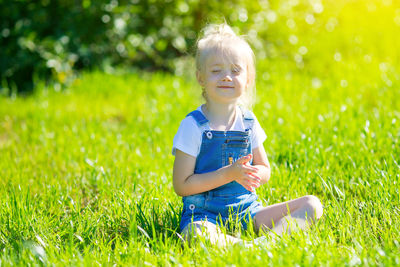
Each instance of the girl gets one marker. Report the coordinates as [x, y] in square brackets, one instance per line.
[219, 153]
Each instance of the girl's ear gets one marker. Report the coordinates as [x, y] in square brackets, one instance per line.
[199, 77]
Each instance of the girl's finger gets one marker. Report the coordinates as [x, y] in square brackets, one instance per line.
[244, 159]
[248, 187]
[250, 168]
[254, 177]
[252, 184]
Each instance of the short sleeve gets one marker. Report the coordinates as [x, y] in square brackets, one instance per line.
[258, 135]
[188, 138]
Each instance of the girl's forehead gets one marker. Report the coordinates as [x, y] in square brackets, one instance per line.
[225, 56]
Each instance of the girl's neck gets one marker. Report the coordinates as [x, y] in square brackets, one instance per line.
[220, 117]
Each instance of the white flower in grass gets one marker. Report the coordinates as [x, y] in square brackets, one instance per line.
[310, 19]
[293, 39]
[316, 82]
[337, 56]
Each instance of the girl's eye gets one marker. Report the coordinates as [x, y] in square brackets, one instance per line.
[235, 70]
[215, 71]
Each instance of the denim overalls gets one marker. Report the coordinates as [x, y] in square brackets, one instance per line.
[218, 149]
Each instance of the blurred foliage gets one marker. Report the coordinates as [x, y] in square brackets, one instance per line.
[54, 38]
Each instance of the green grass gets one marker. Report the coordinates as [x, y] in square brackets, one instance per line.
[86, 173]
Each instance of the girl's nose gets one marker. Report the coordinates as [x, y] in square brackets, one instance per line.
[227, 77]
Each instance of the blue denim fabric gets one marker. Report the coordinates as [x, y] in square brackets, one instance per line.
[232, 199]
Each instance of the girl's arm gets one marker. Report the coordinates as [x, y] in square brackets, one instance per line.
[260, 160]
[187, 183]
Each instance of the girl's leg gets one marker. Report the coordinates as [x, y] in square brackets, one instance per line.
[209, 231]
[289, 216]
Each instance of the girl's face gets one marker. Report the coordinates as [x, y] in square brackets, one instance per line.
[224, 78]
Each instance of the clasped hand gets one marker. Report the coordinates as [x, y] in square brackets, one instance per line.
[244, 173]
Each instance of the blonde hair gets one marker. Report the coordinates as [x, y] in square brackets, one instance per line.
[221, 38]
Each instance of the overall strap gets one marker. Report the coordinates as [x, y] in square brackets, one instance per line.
[198, 117]
[248, 118]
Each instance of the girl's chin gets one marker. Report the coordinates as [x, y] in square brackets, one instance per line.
[227, 101]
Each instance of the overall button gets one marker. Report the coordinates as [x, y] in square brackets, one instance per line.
[209, 135]
[192, 206]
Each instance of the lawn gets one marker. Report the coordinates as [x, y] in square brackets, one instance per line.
[86, 172]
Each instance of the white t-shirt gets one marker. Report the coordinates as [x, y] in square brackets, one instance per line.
[189, 136]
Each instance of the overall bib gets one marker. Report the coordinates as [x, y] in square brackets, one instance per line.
[232, 200]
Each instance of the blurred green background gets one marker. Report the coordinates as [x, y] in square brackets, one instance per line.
[53, 39]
